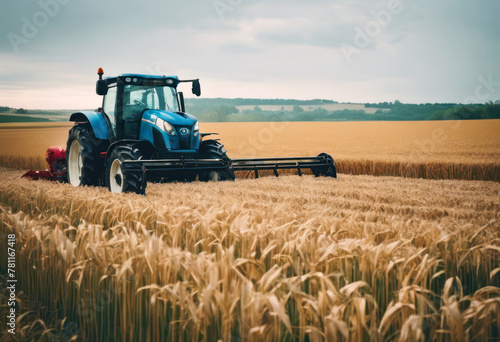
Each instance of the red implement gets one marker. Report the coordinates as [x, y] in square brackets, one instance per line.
[56, 159]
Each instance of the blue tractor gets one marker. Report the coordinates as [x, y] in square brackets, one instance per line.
[143, 134]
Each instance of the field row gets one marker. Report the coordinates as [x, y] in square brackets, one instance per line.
[434, 170]
[433, 150]
[268, 259]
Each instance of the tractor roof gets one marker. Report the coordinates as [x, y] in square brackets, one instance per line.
[147, 76]
[139, 79]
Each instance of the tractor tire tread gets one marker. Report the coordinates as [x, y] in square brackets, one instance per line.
[132, 182]
[93, 165]
[214, 149]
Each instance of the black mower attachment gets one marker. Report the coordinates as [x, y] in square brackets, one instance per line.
[322, 165]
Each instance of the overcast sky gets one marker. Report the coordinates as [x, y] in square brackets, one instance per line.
[348, 50]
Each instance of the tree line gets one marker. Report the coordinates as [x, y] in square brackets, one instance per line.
[387, 111]
[225, 110]
[4, 109]
[256, 102]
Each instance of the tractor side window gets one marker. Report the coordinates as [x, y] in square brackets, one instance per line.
[170, 98]
[109, 105]
[135, 101]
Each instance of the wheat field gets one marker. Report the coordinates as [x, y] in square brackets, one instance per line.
[358, 258]
[428, 149]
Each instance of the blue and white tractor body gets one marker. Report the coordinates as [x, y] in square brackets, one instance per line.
[142, 133]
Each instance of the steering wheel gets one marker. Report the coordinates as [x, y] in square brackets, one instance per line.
[139, 103]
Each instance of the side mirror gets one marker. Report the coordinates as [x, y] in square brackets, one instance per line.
[196, 88]
[101, 87]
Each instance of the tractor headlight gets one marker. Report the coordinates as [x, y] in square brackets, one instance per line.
[165, 126]
[196, 128]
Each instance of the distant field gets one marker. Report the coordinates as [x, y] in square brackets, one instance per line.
[329, 107]
[32, 139]
[6, 118]
[37, 116]
[426, 149]
[423, 141]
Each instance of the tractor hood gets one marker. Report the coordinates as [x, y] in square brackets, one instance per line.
[173, 118]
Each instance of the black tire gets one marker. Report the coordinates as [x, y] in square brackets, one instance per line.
[85, 165]
[326, 171]
[117, 181]
[213, 149]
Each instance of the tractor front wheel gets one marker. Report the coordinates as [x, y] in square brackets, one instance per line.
[85, 167]
[213, 149]
[120, 182]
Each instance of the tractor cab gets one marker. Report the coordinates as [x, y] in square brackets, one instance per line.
[129, 96]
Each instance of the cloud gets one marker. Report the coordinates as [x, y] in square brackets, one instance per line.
[430, 51]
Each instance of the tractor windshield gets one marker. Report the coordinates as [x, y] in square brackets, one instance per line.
[150, 97]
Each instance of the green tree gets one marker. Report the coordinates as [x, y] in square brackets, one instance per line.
[225, 111]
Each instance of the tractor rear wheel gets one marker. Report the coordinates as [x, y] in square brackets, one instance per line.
[119, 182]
[84, 165]
[213, 149]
